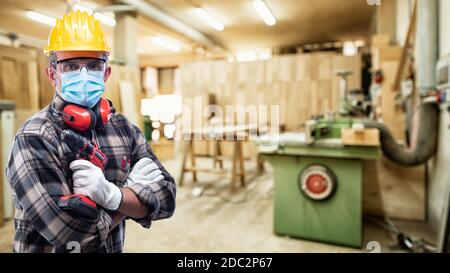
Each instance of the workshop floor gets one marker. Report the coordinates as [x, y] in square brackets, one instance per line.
[218, 221]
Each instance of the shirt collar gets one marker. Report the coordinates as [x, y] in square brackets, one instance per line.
[56, 110]
[58, 103]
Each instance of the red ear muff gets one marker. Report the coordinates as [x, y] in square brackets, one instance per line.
[83, 119]
[79, 118]
[105, 111]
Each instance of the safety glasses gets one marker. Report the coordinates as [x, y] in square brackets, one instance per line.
[76, 64]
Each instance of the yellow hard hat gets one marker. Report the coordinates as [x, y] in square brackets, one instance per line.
[77, 31]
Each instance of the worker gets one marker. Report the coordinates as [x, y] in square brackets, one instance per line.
[42, 168]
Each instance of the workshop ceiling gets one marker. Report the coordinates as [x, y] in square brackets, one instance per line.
[13, 19]
[299, 21]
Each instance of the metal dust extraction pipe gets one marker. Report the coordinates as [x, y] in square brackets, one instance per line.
[427, 131]
[426, 52]
[420, 151]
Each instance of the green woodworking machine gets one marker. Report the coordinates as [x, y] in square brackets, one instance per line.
[318, 181]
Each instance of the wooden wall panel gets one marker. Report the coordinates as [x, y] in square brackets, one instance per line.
[19, 77]
[302, 84]
[394, 191]
[392, 115]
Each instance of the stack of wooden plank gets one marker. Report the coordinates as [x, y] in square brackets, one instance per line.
[300, 84]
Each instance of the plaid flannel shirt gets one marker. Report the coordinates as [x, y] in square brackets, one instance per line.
[38, 172]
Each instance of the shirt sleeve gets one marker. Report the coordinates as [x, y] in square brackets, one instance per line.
[35, 175]
[158, 196]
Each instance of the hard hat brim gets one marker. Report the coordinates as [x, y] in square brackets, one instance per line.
[48, 51]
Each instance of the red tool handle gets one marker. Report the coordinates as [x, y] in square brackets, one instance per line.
[79, 205]
[82, 198]
[96, 157]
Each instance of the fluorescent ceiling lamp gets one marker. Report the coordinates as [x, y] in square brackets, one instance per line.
[349, 48]
[264, 12]
[105, 19]
[82, 8]
[207, 18]
[166, 43]
[41, 18]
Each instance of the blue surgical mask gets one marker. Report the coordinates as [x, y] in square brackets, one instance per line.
[82, 87]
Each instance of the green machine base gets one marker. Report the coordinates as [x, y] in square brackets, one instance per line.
[337, 219]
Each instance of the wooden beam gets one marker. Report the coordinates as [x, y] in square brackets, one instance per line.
[409, 43]
[169, 61]
[386, 19]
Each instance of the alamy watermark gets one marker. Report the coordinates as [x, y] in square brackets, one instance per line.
[202, 121]
[74, 247]
[373, 246]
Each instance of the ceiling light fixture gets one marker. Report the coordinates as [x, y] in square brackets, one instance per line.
[166, 43]
[105, 19]
[41, 18]
[264, 12]
[82, 8]
[210, 20]
[349, 48]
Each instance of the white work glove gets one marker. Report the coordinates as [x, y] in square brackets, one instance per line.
[89, 180]
[145, 171]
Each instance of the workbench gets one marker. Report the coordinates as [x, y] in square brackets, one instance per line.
[235, 134]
